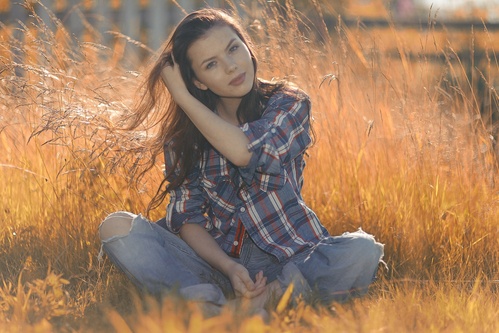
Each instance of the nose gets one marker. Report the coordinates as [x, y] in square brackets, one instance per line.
[231, 65]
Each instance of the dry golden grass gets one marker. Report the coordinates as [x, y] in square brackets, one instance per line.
[401, 151]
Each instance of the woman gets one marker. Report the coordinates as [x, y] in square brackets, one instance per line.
[234, 156]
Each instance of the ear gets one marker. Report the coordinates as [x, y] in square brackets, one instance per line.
[200, 85]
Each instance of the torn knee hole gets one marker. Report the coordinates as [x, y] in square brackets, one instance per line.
[115, 226]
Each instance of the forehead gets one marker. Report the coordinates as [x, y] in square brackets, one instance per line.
[213, 43]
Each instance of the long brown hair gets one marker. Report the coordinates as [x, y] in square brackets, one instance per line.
[175, 127]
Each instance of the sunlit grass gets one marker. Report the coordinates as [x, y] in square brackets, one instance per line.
[404, 150]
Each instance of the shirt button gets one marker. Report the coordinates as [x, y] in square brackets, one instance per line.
[273, 130]
[242, 209]
[236, 243]
[215, 193]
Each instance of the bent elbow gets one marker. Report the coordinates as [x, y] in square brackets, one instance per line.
[242, 160]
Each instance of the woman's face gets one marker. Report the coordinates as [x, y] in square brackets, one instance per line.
[222, 63]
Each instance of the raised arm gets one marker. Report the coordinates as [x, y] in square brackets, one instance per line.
[227, 138]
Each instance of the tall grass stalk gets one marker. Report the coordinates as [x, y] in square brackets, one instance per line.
[403, 150]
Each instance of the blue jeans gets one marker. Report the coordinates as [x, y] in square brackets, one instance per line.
[158, 261]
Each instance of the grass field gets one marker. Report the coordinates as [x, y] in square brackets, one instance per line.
[405, 149]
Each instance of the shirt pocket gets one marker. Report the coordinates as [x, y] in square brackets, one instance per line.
[267, 182]
[208, 184]
[221, 193]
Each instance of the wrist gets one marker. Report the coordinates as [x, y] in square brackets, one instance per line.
[183, 98]
[227, 266]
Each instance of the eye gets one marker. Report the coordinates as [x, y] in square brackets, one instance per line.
[233, 48]
[210, 65]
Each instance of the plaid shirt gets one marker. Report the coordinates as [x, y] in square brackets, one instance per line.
[261, 200]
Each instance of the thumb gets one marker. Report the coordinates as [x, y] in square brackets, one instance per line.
[248, 282]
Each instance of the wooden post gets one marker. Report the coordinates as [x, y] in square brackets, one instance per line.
[212, 3]
[47, 30]
[75, 24]
[18, 14]
[130, 19]
[44, 13]
[159, 23]
[103, 21]
[130, 27]
[187, 7]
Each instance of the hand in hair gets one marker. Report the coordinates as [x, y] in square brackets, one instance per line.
[172, 78]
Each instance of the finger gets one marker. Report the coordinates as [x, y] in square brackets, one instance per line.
[165, 59]
[249, 284]
[240, 293]
[240, 289]
[246, 280]
[262, 282]
[260, 279]
[254, 293]
[260, 286]
[244, 284]
[260, 275]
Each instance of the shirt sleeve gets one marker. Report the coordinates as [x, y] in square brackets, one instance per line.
[188, 203]
[281, 135]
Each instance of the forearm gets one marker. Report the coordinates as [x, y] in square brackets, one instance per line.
[206, 247]
[227, 138]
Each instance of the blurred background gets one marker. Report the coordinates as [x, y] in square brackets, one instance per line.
[128, 32]
[150, 21]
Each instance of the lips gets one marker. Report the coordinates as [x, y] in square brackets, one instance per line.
[238, 80]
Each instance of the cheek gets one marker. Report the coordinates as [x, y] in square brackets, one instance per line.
[203, 78]
[211, 80]
[247, 55]
[251, 64]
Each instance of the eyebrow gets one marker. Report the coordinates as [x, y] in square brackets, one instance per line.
[226, 48]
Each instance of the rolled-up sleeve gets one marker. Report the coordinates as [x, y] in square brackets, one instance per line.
[277, 138]
[187, 202]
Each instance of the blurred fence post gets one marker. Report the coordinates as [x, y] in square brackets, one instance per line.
[130, 20]
[130, 27]
[159, 22]
[47, 31]
[103, 20]
[187, 6]
[19, 15]
[74, 18]
[44, 14]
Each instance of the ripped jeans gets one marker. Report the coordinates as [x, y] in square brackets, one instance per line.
[158, 261]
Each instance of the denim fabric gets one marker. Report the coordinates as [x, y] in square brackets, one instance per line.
[158, 261]
[341, 267]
